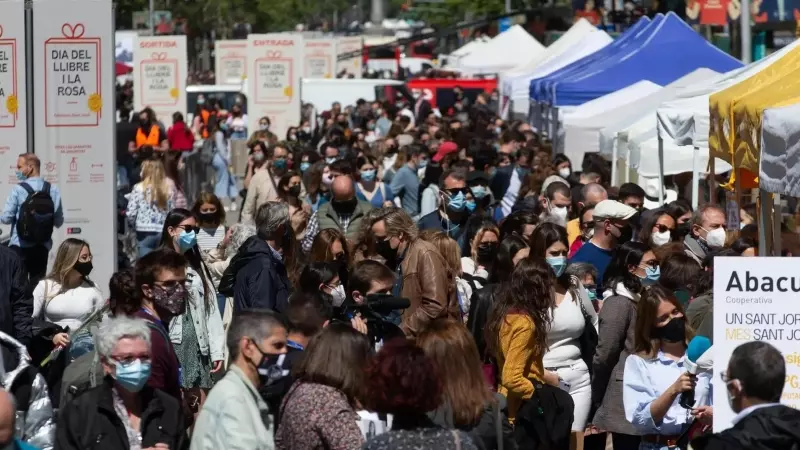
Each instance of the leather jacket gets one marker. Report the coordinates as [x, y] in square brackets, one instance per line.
[427, 285]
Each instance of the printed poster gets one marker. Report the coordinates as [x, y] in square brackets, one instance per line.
[273, 83]
[159, 76]
[230, 60]
[350, 66]
[320, 58]
[13, 130]
[755, 300]
[75, 121]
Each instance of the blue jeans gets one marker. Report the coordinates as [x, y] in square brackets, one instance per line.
[226, 185]
[147, 241]
[221, 303]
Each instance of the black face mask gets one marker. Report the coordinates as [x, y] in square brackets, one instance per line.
[144, 123]
[208, 218]
[83, 268]
[673, 331]
[487, 252]
[294, 191]
[385, 250]
[625, 234]
[391, 150]
[681, 231]
[344, 206]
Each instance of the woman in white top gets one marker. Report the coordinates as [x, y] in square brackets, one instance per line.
[563, 362]
[210, 219]
[67, 296]
[148, 205]
[483, 246]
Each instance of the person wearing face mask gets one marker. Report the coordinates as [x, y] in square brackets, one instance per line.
[323, 278]
[345, 212]
[657, 228]
[123, 412]
[555, 201]
[211, 221]
[405, 183]
[484, 240]
[589, 195]
[237, 123]
[420, 269]
[196, 334]
[290, 189]
[586, 218]
[235, 415]
[453, 212]
[616, 338]
[707, 232]
[263, 186]
[656, 374]
[376, 192]
[563, 167]
[149, 134]
[263, 133]
[612, 228]
[64, 299]
[754, 383]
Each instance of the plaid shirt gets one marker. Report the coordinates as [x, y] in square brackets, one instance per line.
[312, 230]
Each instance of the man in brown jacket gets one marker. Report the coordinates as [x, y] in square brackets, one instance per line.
[420, 268]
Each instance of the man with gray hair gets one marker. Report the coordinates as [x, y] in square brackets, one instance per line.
[234, 414]
[256, 277]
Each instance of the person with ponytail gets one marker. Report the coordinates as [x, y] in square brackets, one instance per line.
[197, 334]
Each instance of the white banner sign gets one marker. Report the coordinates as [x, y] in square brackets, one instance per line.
[755, 299]
[13, 132]
[159, 75]
[350, 44]
[75, 121]
[230, 60]
[273, 83]
[320, 58]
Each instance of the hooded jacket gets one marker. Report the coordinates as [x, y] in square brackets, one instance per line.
[34, 419]
[769, 428]
[256, 278]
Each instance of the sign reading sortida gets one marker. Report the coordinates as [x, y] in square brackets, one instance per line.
[756, 299]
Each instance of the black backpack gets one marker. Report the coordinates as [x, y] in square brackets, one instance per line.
[36, 215]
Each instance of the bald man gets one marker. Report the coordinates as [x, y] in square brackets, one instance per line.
[344, 212]
[591, 194]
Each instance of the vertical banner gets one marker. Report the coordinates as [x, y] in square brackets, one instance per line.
[755, 301]
[73, 59]
[273, 81]
[350, 66]
[13, 130]
[320, 58]
[159, 75]
[230, 61]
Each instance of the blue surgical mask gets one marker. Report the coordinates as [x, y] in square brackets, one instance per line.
[279, 164]
[457, 202]
[651, 275]
[20, 176]
[471, 205]
[132, 376]
[186, 241]
[592, 294]
[331, 160]
[422, 164]
[304, 166]
[479, 192]
[558, 264]
[368, 175]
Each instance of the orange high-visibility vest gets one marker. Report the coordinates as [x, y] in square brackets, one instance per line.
[204, 115]
[152, 138]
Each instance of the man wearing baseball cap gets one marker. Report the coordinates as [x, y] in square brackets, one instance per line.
[612, 228]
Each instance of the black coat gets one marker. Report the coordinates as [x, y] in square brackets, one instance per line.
[255, 278]
[770, 428]
[90, 421]
[16, 298]
[501, 181]
[480, 305]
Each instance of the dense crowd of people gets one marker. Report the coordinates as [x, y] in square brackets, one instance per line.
[388, 278]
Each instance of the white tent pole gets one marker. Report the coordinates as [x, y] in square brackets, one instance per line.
[661, 169]
[627, 163]
[695, 177]
[614, 161]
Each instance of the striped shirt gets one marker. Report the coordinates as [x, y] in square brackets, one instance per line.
[209, 238]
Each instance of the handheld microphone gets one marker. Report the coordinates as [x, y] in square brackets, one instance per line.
[698, 347]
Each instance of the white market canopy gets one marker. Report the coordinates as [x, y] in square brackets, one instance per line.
[502, 53]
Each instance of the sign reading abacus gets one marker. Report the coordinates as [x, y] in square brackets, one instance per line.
[273, 83]
[13, 129]
[159, 75]
[73, 58]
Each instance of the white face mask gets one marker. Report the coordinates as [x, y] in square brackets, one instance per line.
[560, 213]
[338, 295]
[659, 239]
[327, 180]
[565, 172]
[716, 238]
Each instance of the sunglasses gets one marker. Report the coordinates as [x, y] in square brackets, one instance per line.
[190, 228]
[663, 228]
[456, 191]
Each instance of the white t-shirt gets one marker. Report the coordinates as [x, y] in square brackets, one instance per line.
[566, 328]
[209, 238]
[67, 309]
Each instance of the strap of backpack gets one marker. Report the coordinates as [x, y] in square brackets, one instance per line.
[46, 188]
[27, 188]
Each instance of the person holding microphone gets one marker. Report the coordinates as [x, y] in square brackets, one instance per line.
[656, 374]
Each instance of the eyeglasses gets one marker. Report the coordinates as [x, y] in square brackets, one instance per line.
[725, 377]
[190, 228]
[662, 228]
[455, 191]
[129, 359]
[653, 264]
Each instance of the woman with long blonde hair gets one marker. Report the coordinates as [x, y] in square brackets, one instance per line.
[67, 296]
[148, 204]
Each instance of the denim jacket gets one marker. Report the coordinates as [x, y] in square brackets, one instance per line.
[207, 323]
